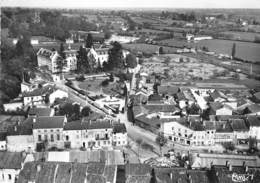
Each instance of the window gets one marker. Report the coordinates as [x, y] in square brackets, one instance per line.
[98, 143]
[172, 128]
[51, 130]
[39, 138]
[118, 142]
[104, 142]
[9, 176]
[67, 137]
[52, 139]
[58, 136]
[58, 130]
[77, 136]
[108, 142]
[45, 137]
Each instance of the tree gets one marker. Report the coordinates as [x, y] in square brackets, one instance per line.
[62, 50]
[233, 50]
[89, 41]
[131, 61]
[161, 141]
[153, 177]
[115, 57]
[85, 111]
[229, 146]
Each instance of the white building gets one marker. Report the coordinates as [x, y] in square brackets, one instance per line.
[48, 131]
[38, 96]
[72, 134]
[70, 62]
[119, 134]
[97, 134]
[98, 55]
[13, 105]
[254, 127]
[57, 94]
[122, 39]
[10, 165]
[20, 138]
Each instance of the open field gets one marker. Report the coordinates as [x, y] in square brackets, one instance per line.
[148, 48]
[244, 36]
[244, 50]
[183, 68]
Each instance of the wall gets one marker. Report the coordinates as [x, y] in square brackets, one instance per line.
[2, 145]
[5, 173]
[74, 138]
[120, 139]
[13, 106]
[18, 143]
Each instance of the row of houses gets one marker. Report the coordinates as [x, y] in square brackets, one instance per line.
[35, 94]
[44, 132]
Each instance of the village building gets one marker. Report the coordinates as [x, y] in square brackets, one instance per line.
[39, 96]
[99, 55]
[14, 105]
[241, 131]
[48, 132]
[71, 60]
[3, 141]
[71, 171]
[20, 137]
[72, 134]
[41, 111]
[254, 128]
[97, 134]
[57, 94]
[119, 134]
[10, 165]
[224, 132]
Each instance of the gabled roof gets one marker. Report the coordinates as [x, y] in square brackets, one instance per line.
[238, 125]
[99, 124]
[64, 172]
[215, 94]
[253, 121]
[254, 108]
[73, 125]
[24, 128]
[11, 160]
[160, 108]
[257, 95]
[119, 128]
[215, 106]
[45, 122]
[40, 111]
[168, 90]
[39, 91]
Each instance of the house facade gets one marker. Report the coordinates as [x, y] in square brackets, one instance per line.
[119, 134]
[48, 131]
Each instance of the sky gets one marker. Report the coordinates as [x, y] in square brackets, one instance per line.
[132, 3]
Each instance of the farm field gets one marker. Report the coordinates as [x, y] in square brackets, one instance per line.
[244, 36]
[148, 48]
[244, 50]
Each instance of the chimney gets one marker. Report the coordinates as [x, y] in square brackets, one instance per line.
[23, 154]
[230, 167]
[38, 168]
[246, 169]
[227, 164]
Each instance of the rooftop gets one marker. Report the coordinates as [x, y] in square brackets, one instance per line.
[119, 128]
[23, 128]
[40, 111]
[99, 124]
[73, 125]
[238, 125]
[67, 172]
[168, 90]
[44, 122]
[39, 91]
[11, 160]
[253, 121]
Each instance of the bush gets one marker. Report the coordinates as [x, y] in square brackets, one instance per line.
[229, 146]
[105, 82]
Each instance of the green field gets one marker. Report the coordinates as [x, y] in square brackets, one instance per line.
[244, 36]
[148, 48]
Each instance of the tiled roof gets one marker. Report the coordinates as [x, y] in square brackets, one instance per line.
[100, 124]
[257, 95]
[49, 122]
[40, 111]
[225, 175]
[119, 128]
[73, 125]
[24, 128]
[64, 172]
[170, 90]
[39, 91]
[238, 125]
[215, 94]
[223, 127]
[160, 108]
[215, 106]
[254, 108]
[253, 120]
[11, 160]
